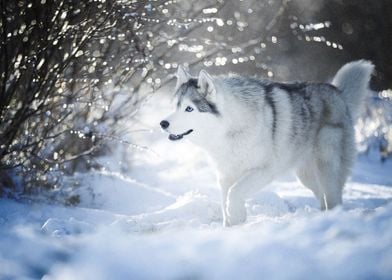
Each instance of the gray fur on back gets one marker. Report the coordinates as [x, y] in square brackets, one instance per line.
[312, 104]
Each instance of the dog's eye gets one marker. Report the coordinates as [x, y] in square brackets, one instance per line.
[188, 109]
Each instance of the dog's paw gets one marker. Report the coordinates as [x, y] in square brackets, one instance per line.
[236, 214]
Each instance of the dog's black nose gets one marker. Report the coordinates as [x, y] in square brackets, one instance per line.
[164, 124]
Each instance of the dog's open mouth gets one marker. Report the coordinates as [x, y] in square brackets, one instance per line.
[175, 137]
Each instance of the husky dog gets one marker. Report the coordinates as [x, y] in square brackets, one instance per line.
[255, 129]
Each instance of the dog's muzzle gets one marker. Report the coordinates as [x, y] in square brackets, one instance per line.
[175, 137]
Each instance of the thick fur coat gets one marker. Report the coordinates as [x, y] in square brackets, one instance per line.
[255, 130]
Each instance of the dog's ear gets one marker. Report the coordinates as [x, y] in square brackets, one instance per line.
[182, 76]
[206, 85]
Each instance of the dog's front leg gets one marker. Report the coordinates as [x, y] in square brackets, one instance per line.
[248, 184]
[225, 191]
[225, 183]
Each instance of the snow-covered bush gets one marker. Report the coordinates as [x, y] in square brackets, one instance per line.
[55, 58]
[63, 64]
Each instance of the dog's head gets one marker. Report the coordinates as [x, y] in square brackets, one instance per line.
[196, 112]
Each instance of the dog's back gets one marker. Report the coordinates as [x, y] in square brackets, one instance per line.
[286, 117]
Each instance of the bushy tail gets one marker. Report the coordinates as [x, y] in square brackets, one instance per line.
[353, 80]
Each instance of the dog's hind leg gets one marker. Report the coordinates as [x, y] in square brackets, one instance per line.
[224, 193]
[321, 180]
[330, 187]
[330, 172]
[306, 174]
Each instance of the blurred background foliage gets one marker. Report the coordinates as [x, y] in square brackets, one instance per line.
[73, 72]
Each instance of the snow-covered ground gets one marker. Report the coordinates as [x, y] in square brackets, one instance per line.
[162, 220]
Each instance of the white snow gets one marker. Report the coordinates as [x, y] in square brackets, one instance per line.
[162, 220]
